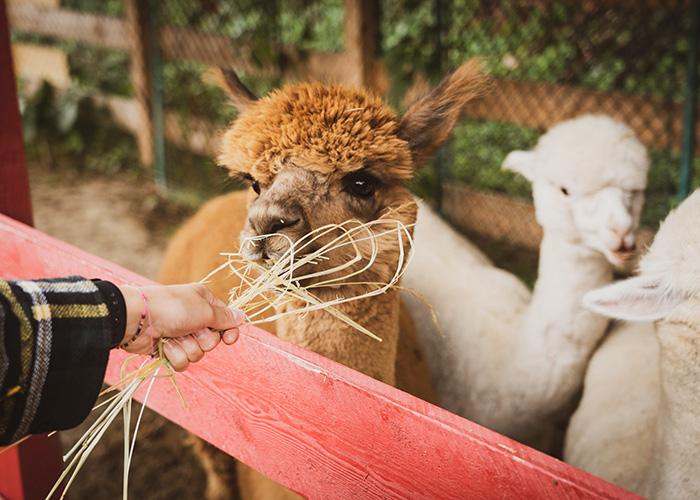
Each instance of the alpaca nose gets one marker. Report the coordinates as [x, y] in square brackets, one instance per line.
[623, 237]
[278, 225]
[621, 227]
[271, 218]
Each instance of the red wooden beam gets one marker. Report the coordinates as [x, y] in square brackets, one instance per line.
[14, 182]
[29, 471]
[318, 427]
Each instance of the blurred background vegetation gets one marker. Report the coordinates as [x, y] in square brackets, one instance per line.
[631, 48]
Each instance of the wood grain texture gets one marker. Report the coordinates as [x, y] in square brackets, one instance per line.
[318, 427]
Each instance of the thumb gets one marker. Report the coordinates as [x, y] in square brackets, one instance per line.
[225, 318]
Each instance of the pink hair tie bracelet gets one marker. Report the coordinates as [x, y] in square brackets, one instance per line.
[146, 312]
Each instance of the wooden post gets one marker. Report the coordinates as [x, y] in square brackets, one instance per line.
[362, 44]
[27, 471]
[14, 181]
[140, 52]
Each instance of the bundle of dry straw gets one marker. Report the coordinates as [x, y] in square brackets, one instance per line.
[291, 279]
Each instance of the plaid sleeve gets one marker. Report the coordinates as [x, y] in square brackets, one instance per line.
[55, 337]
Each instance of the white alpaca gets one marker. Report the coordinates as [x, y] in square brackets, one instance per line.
[512, 363]
[638, 423]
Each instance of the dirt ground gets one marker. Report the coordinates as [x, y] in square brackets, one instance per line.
[114, 218]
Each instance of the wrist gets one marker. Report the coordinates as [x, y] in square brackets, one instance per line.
[134, 309]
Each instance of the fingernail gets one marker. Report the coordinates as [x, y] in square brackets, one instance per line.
[238, 316]
[167, 348]
[230, 336]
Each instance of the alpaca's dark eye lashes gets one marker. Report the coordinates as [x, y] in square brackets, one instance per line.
[360, 184]
[253, 183]
[564, 190]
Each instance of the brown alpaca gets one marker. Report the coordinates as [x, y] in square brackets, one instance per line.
[320, 155]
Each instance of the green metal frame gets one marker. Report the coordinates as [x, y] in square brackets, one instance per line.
[157, 98]
[690, 106]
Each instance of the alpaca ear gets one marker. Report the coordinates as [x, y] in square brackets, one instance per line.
[522, 162]
[228, 80]
[634, 299]
[428, 123]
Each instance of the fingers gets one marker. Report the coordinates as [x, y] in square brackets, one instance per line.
[225, 318]
[182, 351]
[189, 349]
[206, 339]
[230, 336]
[185, 314]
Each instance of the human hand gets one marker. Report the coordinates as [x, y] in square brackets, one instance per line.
[182, 313]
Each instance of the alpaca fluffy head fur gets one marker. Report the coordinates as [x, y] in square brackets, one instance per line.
[669, 273]
[588, 176]
[318, 155]
[318, 128]
[674, 256]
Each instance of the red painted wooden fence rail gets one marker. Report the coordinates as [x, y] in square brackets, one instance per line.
[316, 426]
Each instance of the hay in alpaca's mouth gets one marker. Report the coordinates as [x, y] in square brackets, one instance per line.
[311, 265]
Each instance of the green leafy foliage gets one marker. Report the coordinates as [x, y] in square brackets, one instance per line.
[114, 8]
[71, 132]
[98, 69]
[194, 178]
[624, 48]
[189, 96]
[480, 148]
[634, 49]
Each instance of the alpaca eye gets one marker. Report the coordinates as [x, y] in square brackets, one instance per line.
[564, 190]
[253, 183]
[360, 184]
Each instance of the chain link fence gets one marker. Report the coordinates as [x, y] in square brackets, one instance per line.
[553, 61]
[128, 90]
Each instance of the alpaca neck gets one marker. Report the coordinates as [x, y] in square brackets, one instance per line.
[325, 334]
[672, 472]
[557, 335]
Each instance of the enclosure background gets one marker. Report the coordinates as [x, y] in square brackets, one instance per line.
[125, 92]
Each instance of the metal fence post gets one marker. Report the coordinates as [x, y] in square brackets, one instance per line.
[157, 96]
[442, 163]
[689, 112]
